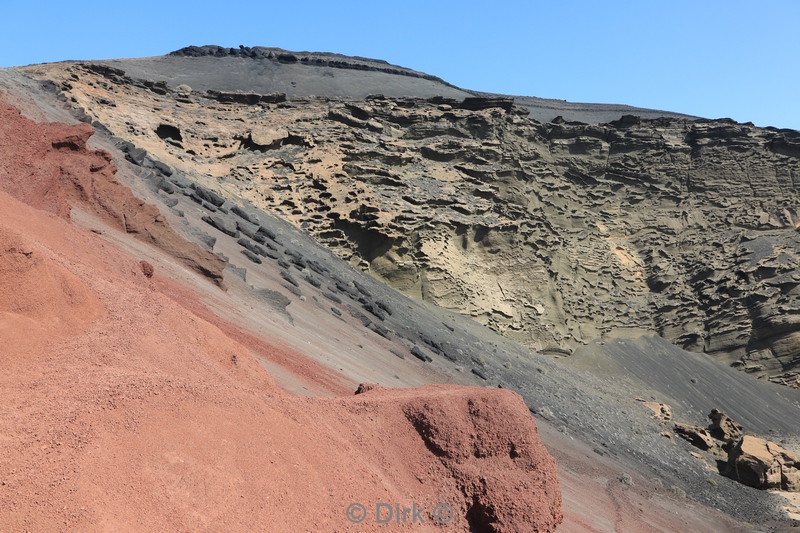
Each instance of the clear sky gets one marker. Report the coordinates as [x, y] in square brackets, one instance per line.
[732, 58]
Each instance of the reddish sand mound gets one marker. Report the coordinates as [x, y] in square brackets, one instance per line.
[37, 297]
[483, 442]
[155, 420]
[49, 167]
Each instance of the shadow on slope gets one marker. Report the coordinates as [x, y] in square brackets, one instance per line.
[693, 384]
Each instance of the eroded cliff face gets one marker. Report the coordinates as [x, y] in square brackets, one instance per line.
[553, 234]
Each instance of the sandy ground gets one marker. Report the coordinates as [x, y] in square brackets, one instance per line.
[118, 400]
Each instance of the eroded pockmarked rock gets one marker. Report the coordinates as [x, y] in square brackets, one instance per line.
[551, 233]
[488, 441]
[724, 428]
[763, 464]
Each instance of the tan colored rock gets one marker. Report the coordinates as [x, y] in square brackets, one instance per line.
[763, 464]
[661, 411]
[723, 427]
[268, 136]
[698, 436]
[519, 224]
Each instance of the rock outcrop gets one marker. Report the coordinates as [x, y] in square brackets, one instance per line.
[487, 441]
[661, 411]
[764, 465]
[698, 436]
[314, 59]
[553, 234]
[724, 428]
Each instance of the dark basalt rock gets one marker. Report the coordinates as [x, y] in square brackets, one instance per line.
[250, 230]
[241, 213]
[347, 290]
[375, 310]
[169, 202]
[417, 352]
[273, 298]
[225, 225]
[268, 233]
[256, 249]
[316, 59]
[478, 103]
[246, 98]
[251, 256]
[332, 297]
[210, 196]
[293, 289]
[288, 277]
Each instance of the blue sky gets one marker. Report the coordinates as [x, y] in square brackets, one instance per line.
[710, 58]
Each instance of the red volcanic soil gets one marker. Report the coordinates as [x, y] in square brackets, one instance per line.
[49, 167]
[121, 409]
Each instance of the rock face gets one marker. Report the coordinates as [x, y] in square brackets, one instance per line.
[517, 488]
[764, 465]
[317, 59]
[698, 436]
[724, 428]
[553, 234]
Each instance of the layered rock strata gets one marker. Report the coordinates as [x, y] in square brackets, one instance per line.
[553, 234]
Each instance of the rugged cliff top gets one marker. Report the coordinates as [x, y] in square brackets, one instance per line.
[303, 74]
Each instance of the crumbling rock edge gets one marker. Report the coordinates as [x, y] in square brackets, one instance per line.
[52, 169]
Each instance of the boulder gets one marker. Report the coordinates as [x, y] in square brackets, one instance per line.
[763, 464]
[256, 249]
[288, 277]
[210, 196]
[724, 428]
[251, 230]
[241, 213]
[225, 225]
[417, 352]
[251, 256]
[661, 411]
[268, 233]
[698, 436]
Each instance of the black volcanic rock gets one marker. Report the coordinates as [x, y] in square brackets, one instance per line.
[223, 224]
